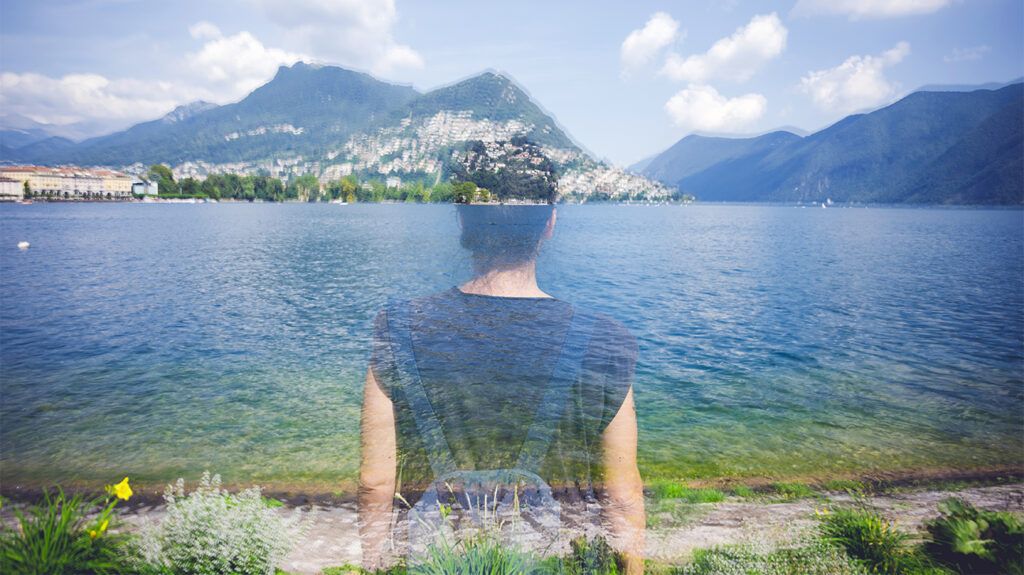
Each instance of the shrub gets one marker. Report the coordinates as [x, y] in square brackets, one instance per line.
[871, 539]
[480, 555]
[58, 536]
[591, 557]
[976, 541]
[812, 559]
[213, 532]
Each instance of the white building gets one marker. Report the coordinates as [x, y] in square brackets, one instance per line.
[11, 189]
[145, 188]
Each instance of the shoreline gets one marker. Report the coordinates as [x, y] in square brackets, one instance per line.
[343, 493]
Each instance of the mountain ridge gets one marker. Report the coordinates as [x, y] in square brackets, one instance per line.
[909, 151]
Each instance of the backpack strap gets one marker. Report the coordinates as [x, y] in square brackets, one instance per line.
[552, 405]
[427, 424]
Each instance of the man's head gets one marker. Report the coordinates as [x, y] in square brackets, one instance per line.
[505, 236]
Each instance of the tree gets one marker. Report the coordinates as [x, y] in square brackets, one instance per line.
[164, 178]
[464, 192]
[190, 187]
[211, 186]
[26, 190]
[306, 187]
[484, 195]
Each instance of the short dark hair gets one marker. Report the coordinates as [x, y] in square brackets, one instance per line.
[503, 236]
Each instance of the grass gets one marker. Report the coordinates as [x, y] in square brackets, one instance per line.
[675, 490]
[845, 485]
[815, 558]
[59, 536]
[970, 540]
[744, 491]
[872, 539]
[792, 491]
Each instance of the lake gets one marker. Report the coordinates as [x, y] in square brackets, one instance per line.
[157, 341]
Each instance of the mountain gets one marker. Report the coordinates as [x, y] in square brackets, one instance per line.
[17, 131]
[331, 122]
[929, 147]
[694, 154]
[298, 112]
[496, 98]
[306, 110]
[186, 111]
[968, 87]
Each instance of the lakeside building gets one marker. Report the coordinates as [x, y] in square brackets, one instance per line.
[11, 190]
[145, 188]
[70, 182]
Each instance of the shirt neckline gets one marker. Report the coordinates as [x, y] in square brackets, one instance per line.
[479, 295]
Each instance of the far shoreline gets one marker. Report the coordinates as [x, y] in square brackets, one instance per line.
[953, 207]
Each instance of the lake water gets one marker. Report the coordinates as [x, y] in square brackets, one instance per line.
[160, 340]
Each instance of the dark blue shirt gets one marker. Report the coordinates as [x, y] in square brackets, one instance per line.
[485, 363]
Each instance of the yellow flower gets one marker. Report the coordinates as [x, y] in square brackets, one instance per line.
[121, 490]
[92, 534]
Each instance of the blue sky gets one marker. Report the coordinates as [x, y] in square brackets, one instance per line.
[625, 79]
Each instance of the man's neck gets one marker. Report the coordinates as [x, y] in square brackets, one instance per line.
[520, 281]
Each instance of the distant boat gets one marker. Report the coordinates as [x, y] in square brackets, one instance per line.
[339, 202]
[23, 245]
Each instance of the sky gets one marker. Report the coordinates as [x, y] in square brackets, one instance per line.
[624, 79]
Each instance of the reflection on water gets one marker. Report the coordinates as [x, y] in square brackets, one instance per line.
[160, 340]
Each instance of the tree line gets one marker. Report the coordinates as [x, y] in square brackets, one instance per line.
[308, 188]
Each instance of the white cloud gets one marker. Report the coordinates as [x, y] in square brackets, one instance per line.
[224, 69]
[967, 54]
[87, 97]
[204, 30]
[355, 33]
[232, 66]
[643, 44]
[858, 9]
[700, 107]
[737, 57]
[857, 83]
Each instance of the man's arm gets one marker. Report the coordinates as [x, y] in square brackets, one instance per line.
[377, 472]
[623, 487]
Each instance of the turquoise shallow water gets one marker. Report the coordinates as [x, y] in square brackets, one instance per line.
[162, 340]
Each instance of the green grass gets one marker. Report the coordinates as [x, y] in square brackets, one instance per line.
[791, 491]
[876, 543]
[845, 485]
[674, 490]
[814, 559]
[58, 536]
[970, 540]
[744, 492]
[272, 503]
